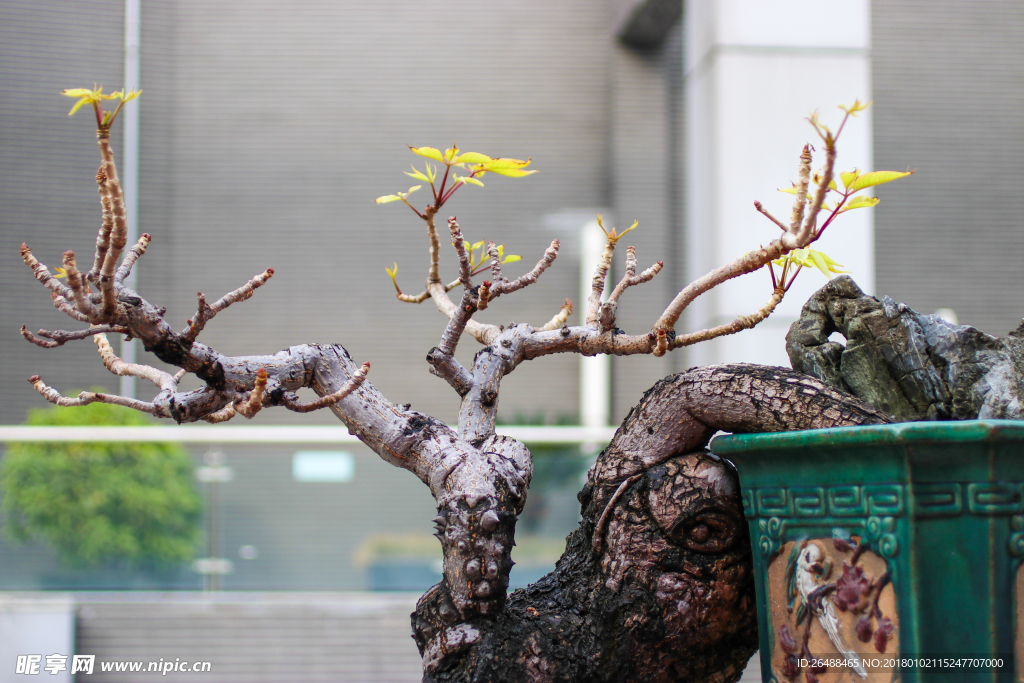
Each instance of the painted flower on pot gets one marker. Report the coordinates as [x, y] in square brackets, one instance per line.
[827, 612]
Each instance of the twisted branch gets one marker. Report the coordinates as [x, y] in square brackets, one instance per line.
[125, 269]
[560, 318]
[205, 313]
[86, 397]
[60, 337]
[79, 290]
[164, 380]
[358, 377]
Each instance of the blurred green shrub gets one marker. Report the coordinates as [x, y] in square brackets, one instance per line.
[101, 502]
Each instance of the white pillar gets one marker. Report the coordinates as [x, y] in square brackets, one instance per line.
[754, 70]
[130, 168]
[595, 371]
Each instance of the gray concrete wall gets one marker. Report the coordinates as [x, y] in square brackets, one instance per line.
[267, 133]
[47, 191]
[305, 638]
[949, 89]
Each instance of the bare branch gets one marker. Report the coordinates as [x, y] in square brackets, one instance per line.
[42, 274]
[434, 272]
[560, 318]
[550, 254]
[125, 269]
[222, 415]
[661, 342]
[60, 337]
[445, 366]
[78, 289]
[796, 236]
[460, 316]
[424, 295]
[807, 232]
[242, 293]
[803, 179]
[744, 322]
[457, 324]
[358, 377]
[597, 284]
[492, 252]
[45, 343]
[773, 219]
[199, 320]
[59, 292]
[252, 405]
[164, 380]
[87, 397]
[106, 226]
[606, 315]
[459, 242]
[119, 232]
[483, 295]
[68, 308]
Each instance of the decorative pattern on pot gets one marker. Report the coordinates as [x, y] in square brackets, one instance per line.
[916, 529]
[832, 606]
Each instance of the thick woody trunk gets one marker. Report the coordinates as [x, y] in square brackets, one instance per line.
[655, 584]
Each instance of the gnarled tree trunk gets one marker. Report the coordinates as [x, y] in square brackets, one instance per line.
[656, 583]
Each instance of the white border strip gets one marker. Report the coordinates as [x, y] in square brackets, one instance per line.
[271, 434]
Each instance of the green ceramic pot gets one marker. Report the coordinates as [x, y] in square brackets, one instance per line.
[909, 536]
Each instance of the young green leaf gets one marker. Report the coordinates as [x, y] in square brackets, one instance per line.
[511, 258]
[510, 172]
[812, 259]
[877, 178]
[417, 175]
[428, 152]
[471, 158]
[856, 107]
[499, 163]
[388, 198]
[848, 177]
[467, 179]
[860, 202]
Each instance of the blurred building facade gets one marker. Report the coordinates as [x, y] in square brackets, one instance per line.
[267, 129]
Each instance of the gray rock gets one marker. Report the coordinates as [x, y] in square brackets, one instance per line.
[909, 365]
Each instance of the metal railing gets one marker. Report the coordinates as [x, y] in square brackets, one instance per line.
[273, 434]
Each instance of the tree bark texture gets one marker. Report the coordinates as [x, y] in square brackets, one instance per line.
[909, 365]
[656, 583]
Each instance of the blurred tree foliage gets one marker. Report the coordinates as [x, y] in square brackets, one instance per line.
[135, 503]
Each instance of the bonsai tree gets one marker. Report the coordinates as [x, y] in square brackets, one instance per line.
[655, 584]
[134, 504]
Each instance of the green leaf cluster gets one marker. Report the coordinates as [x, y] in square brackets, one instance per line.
[810, 258]
[100, 502]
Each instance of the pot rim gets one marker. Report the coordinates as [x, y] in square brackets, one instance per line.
[897, 434]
